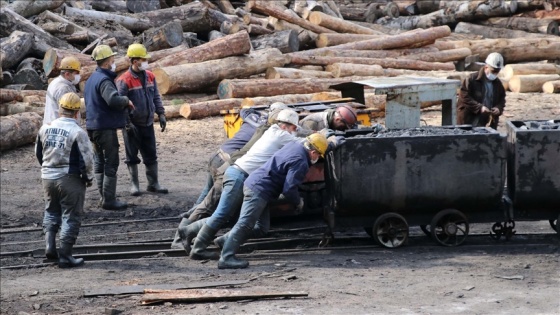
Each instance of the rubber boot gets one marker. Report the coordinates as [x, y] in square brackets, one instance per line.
[221, 240]
[176, 244]
[99, 181]
[65, 259]
[188, 233]
[228, 259]
[203, 239]
[134, 184]
[50, 245]
[152, 176]
[110, 201]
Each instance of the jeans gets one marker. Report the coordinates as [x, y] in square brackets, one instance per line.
[230, 199]
[144, 141]
[106, 149]
[64, 205]
[254, 219]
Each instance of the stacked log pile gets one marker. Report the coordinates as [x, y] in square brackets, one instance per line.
[214, 55]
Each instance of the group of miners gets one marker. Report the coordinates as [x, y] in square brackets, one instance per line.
[266, 160]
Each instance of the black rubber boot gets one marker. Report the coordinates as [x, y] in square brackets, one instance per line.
[110, 201]
[50, 245]
[99, 181]
[134, 184]
[176, 244]
[189, 232]
[65, 258]
[152, 176]
[231, 246]
[199, 250]
[221, 240]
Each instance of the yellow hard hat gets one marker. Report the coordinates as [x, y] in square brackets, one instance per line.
[70, 101]
[318, 142]
[70, 63]
[102, 52]
[137, 51]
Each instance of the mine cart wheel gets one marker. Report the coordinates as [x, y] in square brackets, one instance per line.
[390, 230]
[554, 224]
[450, 227]
[426, 229]
[369, 230]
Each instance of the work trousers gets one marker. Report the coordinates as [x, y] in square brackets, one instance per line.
[254, 219]
[230, 199]
[144, 141]
[106, 149]
[213, 166]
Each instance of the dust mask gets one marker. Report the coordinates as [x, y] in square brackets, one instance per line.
[113, 67]
[491, 76]
[314, 161]
[76, 80]
[143, 66]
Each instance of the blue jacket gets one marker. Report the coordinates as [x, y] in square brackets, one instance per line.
[251, 121]
[145, 97]
[105, 109]
[281, 174]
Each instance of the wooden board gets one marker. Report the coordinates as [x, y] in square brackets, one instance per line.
[139, 289]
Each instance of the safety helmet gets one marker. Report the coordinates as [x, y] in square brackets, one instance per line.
[288, 116]
[348, 115]
[70, 63]
[137, 51]
[318, 142]
[70, 101]
[102, 52]
[277, 105]
[495, 60]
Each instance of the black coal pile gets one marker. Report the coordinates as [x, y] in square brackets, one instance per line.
[423, 132]
[541, 125]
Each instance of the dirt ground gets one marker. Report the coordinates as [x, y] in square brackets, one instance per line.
[518, 277]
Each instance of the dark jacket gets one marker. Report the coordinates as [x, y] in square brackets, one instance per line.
[281, 174]
[144, 95]
[471, 97]
[105, 109]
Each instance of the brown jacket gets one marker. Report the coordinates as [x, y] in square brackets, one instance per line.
[471, 97]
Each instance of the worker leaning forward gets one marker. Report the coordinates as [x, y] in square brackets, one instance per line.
[65, 83]
[66, 157]
[105, 113]
[140, 86]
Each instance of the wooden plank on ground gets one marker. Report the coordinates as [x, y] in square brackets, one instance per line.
[212, 295]
[139, 289]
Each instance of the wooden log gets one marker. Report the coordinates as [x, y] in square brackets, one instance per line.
[160, 54]
[362, 12]
[348, 69]
[392, 53]
[305, 37]
[255, 29]
[53, 56]
[511, 70]
[339, 25]
[543, 14]
[544, 26]
[330, 5]
[143, 6]
[217, 18]
[291, 73]
[195, 17]
[162, 37]
[48, 15]
[15, 48]
[27, 74]
[228, 27]
[231, 45]
[433, 19]
[311, 67]
[8, 95]
[333, 39]
[250, 19]
[390, 42]
[13, 108]
[493, 32]
[213, 35]
[532, 4]
[241, 88]
[212, 295]
[19, 129]
[305, 7]
[442, 56]
[208, 109]
[226, 6]
[285, 41]
[384, 62]
[407, 7]
[57, 28]
[551, 87]
[514, 50]
[478, 10]
[267, 100]
[192, 77]
[530, 82]
[29, 8]
[18, 87]
[110, 6]
[134, 24]
[11, 21]
[278, 12]
[380, 28]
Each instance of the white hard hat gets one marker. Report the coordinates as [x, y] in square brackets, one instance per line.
[495, 60]
[288, 116]
[277, 105]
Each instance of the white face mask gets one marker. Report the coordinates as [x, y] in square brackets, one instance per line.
[143, 66]
[113, 67]
[491, 76]
[314, 161]
[76, 80]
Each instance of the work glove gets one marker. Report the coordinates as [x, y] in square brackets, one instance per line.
[162, 122]
[377, 128]
[327, 132]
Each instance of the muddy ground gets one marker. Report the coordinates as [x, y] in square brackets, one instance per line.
[517, 277]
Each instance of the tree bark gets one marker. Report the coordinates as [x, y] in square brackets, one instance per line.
[162, 37]
[267, 100]
[231, 45]
[285, 41]
[29, 8]
[232, 27]
[514, 50]
[249, 19]
[305, 7]
[543, 14]
[407, 7]
[509, 71]
[339, 70]
[192, 77]
[110, 6]
[195, 17]
[305, 36]
[133, 23]
[19, 129]
[278, 13]
[226, 7]
[530, 82]
[13, 108]
[333, 39]
[15, 48]
[53, 56]
[143, 6]
[208, 109]
[551, 87]
[291, 73]
[383, 62]
[213, 35]
[8, 95]
[27, 74]
[392, 53]
[494, 32]
[339, 25]
[358, 12]
[160, 54]
[255, 29]
[58, 28]
[532, 4]
[380, 28]
[544, 26]
[433, 19]
[48, 15]
[442, 56]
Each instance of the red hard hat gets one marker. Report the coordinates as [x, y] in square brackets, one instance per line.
[348, 115]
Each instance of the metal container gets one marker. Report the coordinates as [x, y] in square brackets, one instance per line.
[533, 170]
[417, 176]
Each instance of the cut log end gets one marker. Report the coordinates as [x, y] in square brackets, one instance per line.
[162, 80]
[551, 87]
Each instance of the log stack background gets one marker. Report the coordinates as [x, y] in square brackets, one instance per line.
[222, 54]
